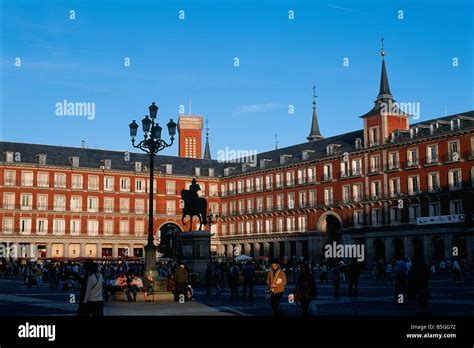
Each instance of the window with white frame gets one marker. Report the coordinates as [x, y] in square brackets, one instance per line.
[278, 180]
[108, 227]
[358, 218]
[395, 215]
[7, 227]
[249, 184]
[224, 229]
[240, 186]
[454, 151]
[375, 164]
[413, 212]
[393, 161]
[109, 183]
[170, 187]
[26, 200]
[432, 154]
[170, 208]
[327, 172]
[59, 226]
[59, 180]
[139, 206]
[412, 157]
[124, 227]
[223, 190]
[125, 184]
[373, 136]
[59, 203]
[124, 205]
[302, 199]
[311, 174]
[249, 206]
[413, 184]
[290, 224]
[434, 209]
[43, 179]
[268, 182]
[224, 209]
[312, 199]
[25, 225]
[259, 226]
[76, 203]
[139, 228]
[92, 227]
[290, 178]
[301, 176]
[328, 196]
[231, 188]
[93, 182]
[279, 202]
[344, 169]
[454, 179]
[433, 181]
[268, 225]
[376, 189]
[92, 204]
[356, 166]
[346, 193]
[76, 183]
[232, 228]
[75, 227]
[9, 178]
[240, 227]
[154, 185]
[213, 192]
[241, 206]
[302, 223]
[42, 202]
[259, 203]
[108, 205]
[26, 179]
[357, 192]
[376, 216]
[249, 227]
[280, 224]
[290, 198]
[394, 187]
[269, 203]
[8, 200]
[41, 226]
[140, 185]
[202, 193]
[456, 207]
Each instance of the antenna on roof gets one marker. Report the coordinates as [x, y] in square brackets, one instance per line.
[276, 141]
[83, 144]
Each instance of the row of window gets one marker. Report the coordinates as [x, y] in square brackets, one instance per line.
[348, 168]
[76, 204]
[375, 218]
[58, 227]
[350, 193]
[141, 185]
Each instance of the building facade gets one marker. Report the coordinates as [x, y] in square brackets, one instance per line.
[397, 188]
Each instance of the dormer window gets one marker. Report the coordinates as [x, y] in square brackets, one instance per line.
[211, 171]
[228, 171]
[358, 144]
[138, 166]
[284, 159]
[107, 164]
[263, 163]
[331, 149]
[197, 171]
[9, 156]
[74, 161]
[373, 136]
[42, 159]
[456, 124]
[169, 169]
[305, 154]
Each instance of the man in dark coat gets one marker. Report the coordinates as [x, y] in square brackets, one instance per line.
[353, 274]
[181, 279]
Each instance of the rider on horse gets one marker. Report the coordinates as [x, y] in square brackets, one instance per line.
[194, 188]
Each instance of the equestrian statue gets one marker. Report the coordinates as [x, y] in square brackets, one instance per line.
[194, 205]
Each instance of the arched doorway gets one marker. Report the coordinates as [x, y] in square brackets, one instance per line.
[417, 248]
[168, 234]
[398, 249]
[379, 247]
[460, 243]
[438, 248]
[330, 223]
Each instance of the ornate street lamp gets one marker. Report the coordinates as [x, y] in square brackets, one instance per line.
[151, 144]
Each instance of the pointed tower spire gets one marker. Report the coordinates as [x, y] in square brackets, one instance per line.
[315, 134]
[207, 150]
[384, 92]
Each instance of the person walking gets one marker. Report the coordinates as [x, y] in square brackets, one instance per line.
[456, 271]
[181, 279]
[276, 281]
[249, 275]
[91, 300]
[234, 282]
[353, 274]
[324, 273]
[305, 289]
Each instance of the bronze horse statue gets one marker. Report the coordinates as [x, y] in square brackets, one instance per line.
[194, 207]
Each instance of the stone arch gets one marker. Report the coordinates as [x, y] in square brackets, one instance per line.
[418, 250]
[398, 248]
[168, 234]
[329, 222]
[379, 249]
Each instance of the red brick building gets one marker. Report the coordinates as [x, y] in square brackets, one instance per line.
[394, 187]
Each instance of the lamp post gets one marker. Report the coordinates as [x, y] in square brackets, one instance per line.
[151, 144]
[210, 221]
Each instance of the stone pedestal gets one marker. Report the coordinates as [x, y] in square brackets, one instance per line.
[194, 251]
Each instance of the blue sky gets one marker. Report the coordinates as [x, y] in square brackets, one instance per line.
[173, 60]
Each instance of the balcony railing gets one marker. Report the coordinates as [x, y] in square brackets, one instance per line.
[327, 177]
[9, 182]
[432, 161]
[412, 164]
[393, 165]
[374, 169]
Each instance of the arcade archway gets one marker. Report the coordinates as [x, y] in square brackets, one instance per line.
[168, 235]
